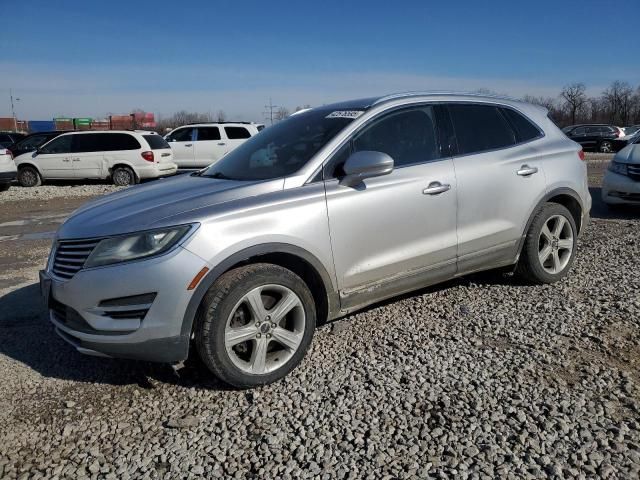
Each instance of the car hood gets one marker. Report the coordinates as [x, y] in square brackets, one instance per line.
[156, 204]
[629, 154]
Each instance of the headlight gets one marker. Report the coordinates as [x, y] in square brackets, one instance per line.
[619, 168]
[136, 246]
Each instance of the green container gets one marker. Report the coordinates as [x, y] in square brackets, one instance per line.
[82, 121]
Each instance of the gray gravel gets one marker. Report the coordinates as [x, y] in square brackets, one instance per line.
[482, 377]
[46, 192]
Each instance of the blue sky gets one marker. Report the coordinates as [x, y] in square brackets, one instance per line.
[93, 58]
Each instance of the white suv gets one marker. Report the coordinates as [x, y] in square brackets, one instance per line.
[124, 156]
[201, 144]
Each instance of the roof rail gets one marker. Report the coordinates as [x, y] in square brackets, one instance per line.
[395, 96]
[203, 123]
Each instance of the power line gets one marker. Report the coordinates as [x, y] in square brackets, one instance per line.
[268, 113]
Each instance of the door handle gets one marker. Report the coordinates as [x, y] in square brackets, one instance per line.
[66, 159]
[221, 143]
[189, 145]
[436, 188]
[77, 159]
[526, 170]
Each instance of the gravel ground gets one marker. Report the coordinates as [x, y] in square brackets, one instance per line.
[482, 377]
[46, 192]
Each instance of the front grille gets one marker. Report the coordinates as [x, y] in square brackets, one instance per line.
[70, 257]
[634, 171]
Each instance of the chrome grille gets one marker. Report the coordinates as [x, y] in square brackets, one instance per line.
[71, 256]
[634, 171]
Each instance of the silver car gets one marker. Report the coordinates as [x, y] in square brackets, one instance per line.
[328, 211]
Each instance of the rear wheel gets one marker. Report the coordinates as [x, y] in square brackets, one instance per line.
[550, 246]
[29, 177]
[123, 176]
[606, 146]
[255, 325]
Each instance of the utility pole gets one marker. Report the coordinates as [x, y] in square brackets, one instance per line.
[269, 110]
[13, 111]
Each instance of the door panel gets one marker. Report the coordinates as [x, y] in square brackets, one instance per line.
[494, 203]
[182, 144]
[209, 147]
[54, 158]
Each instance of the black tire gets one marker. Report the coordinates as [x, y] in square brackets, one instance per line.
[4, 187]
[605, 147]
[219, 304]
[123, 176]
[530, 267]
[29, 177]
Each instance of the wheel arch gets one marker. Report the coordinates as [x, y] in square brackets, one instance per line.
[564, 196]
[294, 258]
[29, 164]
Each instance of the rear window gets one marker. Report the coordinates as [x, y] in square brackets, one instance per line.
[156, 142]
[525, 130]
[480, 128]
[235, 133]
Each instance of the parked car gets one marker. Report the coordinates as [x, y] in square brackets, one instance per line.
[594, 137]
[9, 138]
[621, 182]
[124, 156]
[323, 213]
[201, 144]
[620, 143]
[631, 130]
[31, 142]
[7, 169]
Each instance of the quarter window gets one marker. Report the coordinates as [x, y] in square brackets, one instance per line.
[58, 145]
[208, 133]
[578, 131]
[407, 136]
[480, 128]
[236, 133]
[525, 130]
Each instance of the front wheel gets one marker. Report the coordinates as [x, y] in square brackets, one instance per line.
[29, 177]
[255, 325]
[606, 147]
[550, 245]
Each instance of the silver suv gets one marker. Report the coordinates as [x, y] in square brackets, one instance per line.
[324, 213]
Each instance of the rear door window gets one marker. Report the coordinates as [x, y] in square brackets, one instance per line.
[578, 131]
[480, 128]
[208, 133]
[236, 133]
[87, 142]
[156, 142]
[525, 129]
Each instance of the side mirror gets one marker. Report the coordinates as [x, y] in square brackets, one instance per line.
[366, 164]
[36, 151]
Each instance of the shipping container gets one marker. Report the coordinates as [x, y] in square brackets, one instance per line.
[10, 124]
[63, 123]
[41, 126]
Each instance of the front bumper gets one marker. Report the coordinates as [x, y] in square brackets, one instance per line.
[620, 189]
[87, 310]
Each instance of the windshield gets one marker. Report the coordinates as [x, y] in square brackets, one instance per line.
[282, 149]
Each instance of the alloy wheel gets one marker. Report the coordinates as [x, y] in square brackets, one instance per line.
[605, 147]
[555, 244]
[265, 329]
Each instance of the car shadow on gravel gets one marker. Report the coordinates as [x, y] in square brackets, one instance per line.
[27, 337]
[599, 209]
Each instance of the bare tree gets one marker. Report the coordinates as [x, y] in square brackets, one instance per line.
[281, 114]
[304, 107]
[574, 98]
[618, 102]
[221, 116]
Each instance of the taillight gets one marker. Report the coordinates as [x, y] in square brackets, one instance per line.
[581, 155]
[148, 156]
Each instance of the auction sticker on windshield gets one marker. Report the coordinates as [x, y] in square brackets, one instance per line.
[345, 114]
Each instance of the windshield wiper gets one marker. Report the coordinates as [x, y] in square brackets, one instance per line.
[218, 175]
